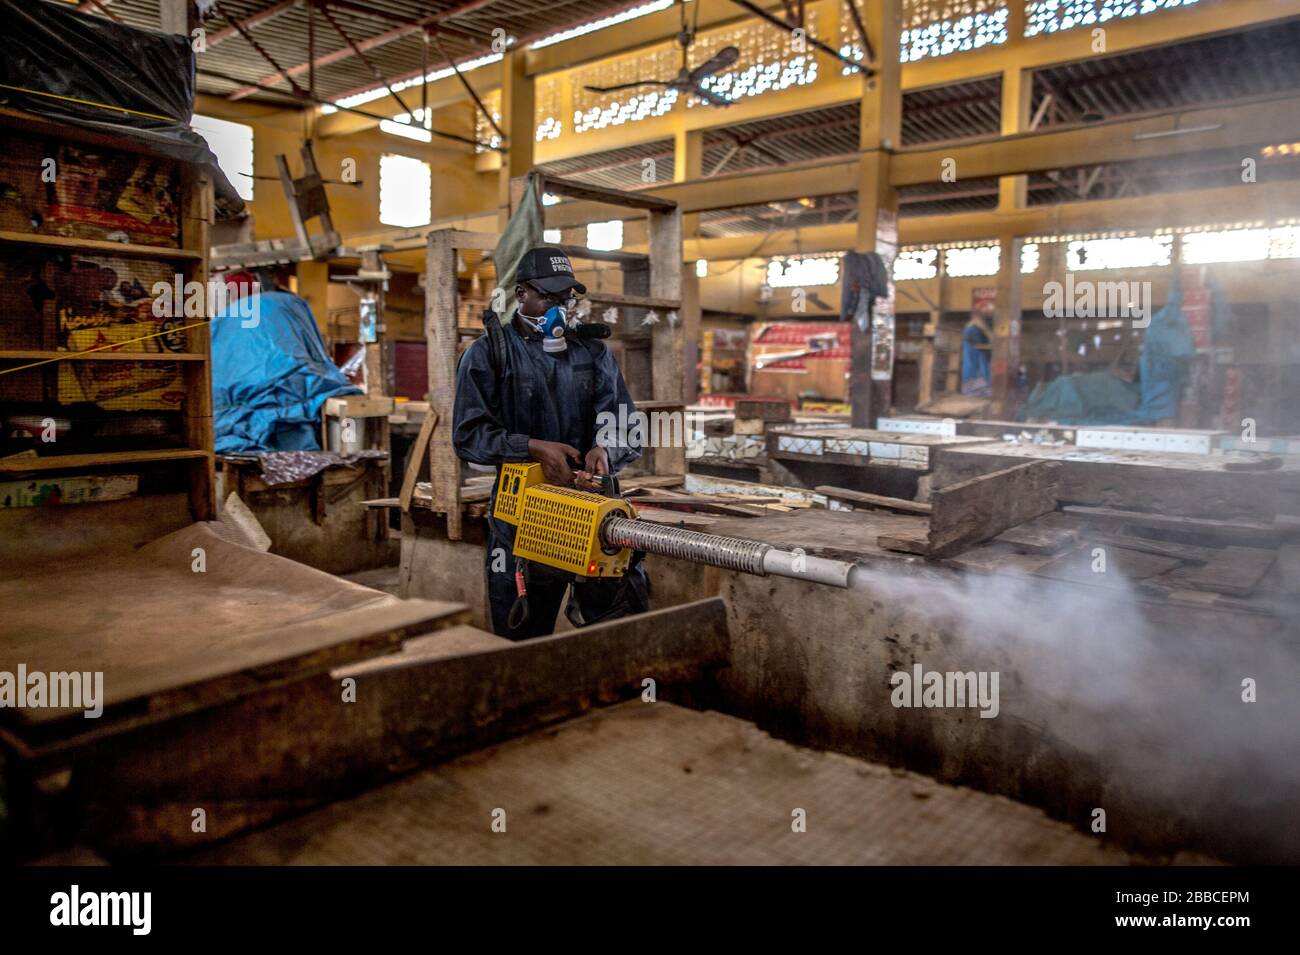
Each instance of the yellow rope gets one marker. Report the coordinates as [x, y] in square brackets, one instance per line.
[87, 102]
[76, 354]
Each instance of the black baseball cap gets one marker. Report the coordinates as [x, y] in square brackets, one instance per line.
[548, 269]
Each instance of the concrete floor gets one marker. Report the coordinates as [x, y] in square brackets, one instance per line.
[658, 784]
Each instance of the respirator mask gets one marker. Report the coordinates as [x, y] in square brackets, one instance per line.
[551, 326]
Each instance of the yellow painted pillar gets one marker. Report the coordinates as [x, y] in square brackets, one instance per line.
[314, 287]
[872, 337]
[518, 122]
[1017, 94]
[688, 165]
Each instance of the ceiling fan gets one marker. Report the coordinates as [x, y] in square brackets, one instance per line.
[687, 80]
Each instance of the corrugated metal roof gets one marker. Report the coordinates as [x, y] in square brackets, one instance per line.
[624, 168]
[1212, 69]
[387, 31]
[1212, 169]
[1229, 66]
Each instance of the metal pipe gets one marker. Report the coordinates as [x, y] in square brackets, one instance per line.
[729, 553]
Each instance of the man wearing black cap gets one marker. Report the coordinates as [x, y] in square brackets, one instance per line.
[539, 400]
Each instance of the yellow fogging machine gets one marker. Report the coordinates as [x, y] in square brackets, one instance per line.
[594, 535]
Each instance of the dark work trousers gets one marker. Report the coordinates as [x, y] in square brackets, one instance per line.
[546, 587]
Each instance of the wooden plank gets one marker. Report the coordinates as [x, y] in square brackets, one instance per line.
[841, 535]
[659, 515]
[874, 500]
[1186, 485]
[1042, 535]
[198, 211]
[914, 543]
[572, 189]
[1236, 571]
[416, 459]
[650, 480]
[473, 241]
[106, 355]
[359, 406]
[689, 502]
[1246, 533]
[1185, 552]
[292, 745]
[602, 255]
[976, 510]
[659, 303]
[100, 245]
[475, 492]
[1122, 567]
[765, 410]
[442, 336]
[202, 672]
[61, 462]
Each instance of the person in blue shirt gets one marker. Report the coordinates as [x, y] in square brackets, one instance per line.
[976, 357]
[543, 404]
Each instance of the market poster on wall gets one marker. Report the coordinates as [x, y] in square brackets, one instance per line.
[882, 311]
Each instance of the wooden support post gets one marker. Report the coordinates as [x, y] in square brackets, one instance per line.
[178, 16]
[692, 333]
[196, 219]
[1005, 363]
[411, 476]
[926, 373]
[966, 513]
[440, 333]
[688, 165]
[379, 371]
[665, 232]
[872, 337]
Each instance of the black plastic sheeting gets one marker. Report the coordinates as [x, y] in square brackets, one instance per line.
[101, 75]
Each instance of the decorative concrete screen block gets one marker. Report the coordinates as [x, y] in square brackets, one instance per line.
[849, 446]
[1138, 439]
[799, 445]
[1052, 16]
[768, 62]
[934, 28]
[944, 428]
[547, 108]
[484, 132]
[885, 451]
[914, 457]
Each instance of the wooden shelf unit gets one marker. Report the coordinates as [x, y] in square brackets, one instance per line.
[194, 209]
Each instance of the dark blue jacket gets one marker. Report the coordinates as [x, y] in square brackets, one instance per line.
[543, 395]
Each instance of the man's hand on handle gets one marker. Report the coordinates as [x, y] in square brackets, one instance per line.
[554, 457]
[596, 463]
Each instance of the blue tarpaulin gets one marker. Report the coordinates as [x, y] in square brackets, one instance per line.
[1103, 398]
[270, 376]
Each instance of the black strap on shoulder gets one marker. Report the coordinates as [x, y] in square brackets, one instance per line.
[496, 337]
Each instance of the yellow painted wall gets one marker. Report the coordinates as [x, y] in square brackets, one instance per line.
[733, 287]
[457, 188]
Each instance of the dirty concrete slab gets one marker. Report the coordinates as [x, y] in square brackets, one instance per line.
[657, 784]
